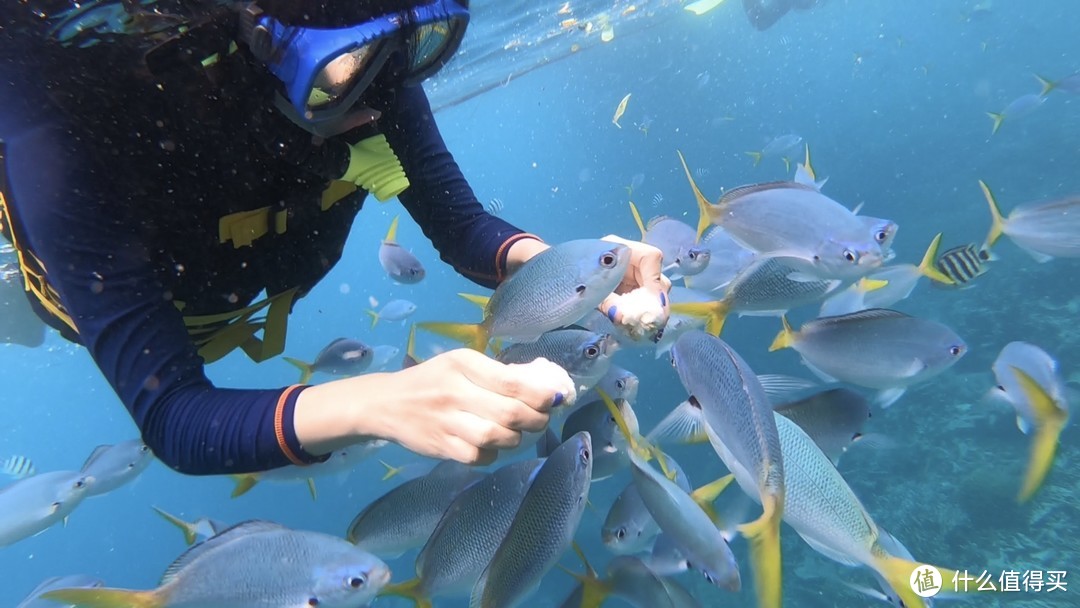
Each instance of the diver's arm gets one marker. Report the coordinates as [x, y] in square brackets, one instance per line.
[476, 243]
[70, 218]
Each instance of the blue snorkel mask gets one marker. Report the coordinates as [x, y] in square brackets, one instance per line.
[326, 67]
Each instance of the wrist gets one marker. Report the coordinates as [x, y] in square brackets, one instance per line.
[330, 416]
[521, 251]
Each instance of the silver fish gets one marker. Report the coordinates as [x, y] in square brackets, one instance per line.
[342, 357]
[543, 528]
[340, 461]
[629, 527]
[399, 263]
[609, 446]
[405, 517]
[776, 147]
[31, 505]
[728, 259]
[256, 564]
[618, 383]
[1069, 84]
[586, 356]
[203, 527]
[470, 532]
[394, 310]
[677, 242]
[833, 418]
[1045, 230]
[553, 289]
[73, 581]
[382, 355]
[1017, 108]
[876, 348]
[112, 466]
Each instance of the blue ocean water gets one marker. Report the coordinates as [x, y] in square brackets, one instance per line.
[892, 98]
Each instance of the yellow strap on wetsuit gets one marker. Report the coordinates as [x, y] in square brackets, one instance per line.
[215, 342]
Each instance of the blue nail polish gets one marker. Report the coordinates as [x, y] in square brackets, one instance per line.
[663, 299]
[558, 400]
[611, 313]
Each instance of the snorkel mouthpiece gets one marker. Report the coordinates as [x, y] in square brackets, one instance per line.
[374, 167]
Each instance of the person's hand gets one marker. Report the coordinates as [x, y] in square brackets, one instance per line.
[465, 406]
[640, 304]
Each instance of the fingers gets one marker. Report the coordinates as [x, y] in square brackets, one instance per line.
[464, 452]
[539, 385]
[645, 270]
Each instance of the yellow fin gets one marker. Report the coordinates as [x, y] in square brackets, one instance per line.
[806, 164]
[1049, 421]
[473, 335]
[704, 208]
[594, 590]
[481, 301]
[898, 573]
[410, 344]
[391, 470]
[1047, 85]
[926, 266]
[866, 285]
[998, 119]
[305, 368]
[185, 527]
[764, 537]
[244, 483]
[997, 226]
[409, 589]
[784, 339]
[619, 111]
[636, 442]
[637, 219]
[311, 489]
[374, 317]
[715, 313]
[757, 156]
[707, 494]
[702, 6]
[391, 234]
[787, 164]
[106, 598]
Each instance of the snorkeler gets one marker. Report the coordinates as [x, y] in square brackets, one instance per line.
[165, 166]
[764, 13]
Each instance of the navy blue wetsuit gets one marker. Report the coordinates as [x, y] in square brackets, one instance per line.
[118, 190]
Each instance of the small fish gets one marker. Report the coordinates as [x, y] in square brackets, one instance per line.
[963, 264]
[1028, 379]
[553, 289]
[645, 124]
[112, 466]
[676, 241]
[833, 419]
[620, 110]
[728, 259]
[1045, 230]
[18, 467]
[495, 206]
[1069, 84]
[777, 147]
[812, 232]
[399, 263]
[340, 461]
[32, 505]
[1017, 108]
[469, 533]
[394, 310]
[74, 581]
[382, 355]
[342, 357]
[657, 199]
[405, 517]
[876, 348]
[255, 564]
[543, 527]
[618, 383]
[609, 446]
[203, 527]
[629, 527]
[585, 355]
[627, 578]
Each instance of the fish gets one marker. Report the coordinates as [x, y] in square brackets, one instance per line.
[394, 310]
[469, 533]
[554, 289]
[18, 467]
[833, 418]
[1045, 230]
[410, 359]
[543, 527]
[883, 232]
[382, 355]
[876, 348]
[824, 511]
[203, 527]
[620, 110]
[677, 243]
[728, 259]
[680, 517]
[763, 288]
[340, 461]
[963, 264]
[112, 466]
[776, 147]
[405, 517]
[627, 578]
[1028, 379]
[818, 235]
[495, 206]
[629, 527]
[677, 325]
[1069, 84]
[738, 421]
[806, 175]
[342, 357]
[618, 383]
[407, 471]
[585, 355]
[73, 581]
[609, 447]
[252, 565]
[399, 263]
[1017, 108]
[32, 505]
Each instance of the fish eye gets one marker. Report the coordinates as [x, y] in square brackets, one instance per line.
[580, 289]
[356, 582]
[620, 533]
[591, 351]
[692, 255]
[881, 236]
[659, 335]
[955, 350]
[79, 484]
[850, 256]
[620, 384]
[585, 455]
[144, 449]
[313, 601]
[608, 260]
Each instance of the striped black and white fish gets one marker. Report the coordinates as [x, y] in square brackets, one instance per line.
[17, 467]
[963, 264]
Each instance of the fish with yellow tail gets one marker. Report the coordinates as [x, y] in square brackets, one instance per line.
[399, 263]
[620, 110]
[554, 289]
[342, 357]
[1045, 230]
[1028, 379]
[252, 565]
[340, 462]
[682, 255]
